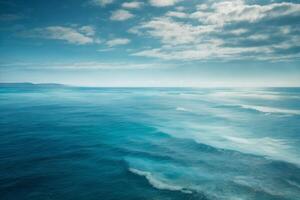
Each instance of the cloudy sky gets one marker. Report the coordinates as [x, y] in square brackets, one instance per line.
[151, 42]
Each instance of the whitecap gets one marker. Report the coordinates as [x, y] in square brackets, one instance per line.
[278, 149]
[257, 185]
[181, 109]
[253, 95]
[158, 184]
[266, 109]
[236, 139]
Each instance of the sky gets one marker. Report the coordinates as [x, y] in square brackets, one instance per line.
[155, 43]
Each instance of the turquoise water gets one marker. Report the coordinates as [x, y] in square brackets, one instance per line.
[60, 142]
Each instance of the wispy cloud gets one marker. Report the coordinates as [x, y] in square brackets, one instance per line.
[222, 13]
[176, 14]
[91, 65]
[163, 3]
[121, 15]
[102, 3]
[225, 30]
[106, 49]
[80, 35]
[132, 5]
[87, 30]
[171, 32]
[117, 42]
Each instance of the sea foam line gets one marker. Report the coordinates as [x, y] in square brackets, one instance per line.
[181, 109]
[266, 109]
[254, 95]
[157, 183]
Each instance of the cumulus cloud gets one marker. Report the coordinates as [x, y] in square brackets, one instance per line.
[132, 5]
[163, 3]
[102, 3]
[121, 15]
[117, 42]
[225, 30]
[221, 13]
[172, 32]
[80, 35]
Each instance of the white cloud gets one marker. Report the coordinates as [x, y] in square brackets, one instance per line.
[214, 49]
[239, 31]
[106, 49]
[206, 51]
[163, 3]
[121, 15]
[102, 3]
[117, 41]
[88, 30]
[176, 14]
[132, 5]
[79, 36]
[172, 32]
[220, 33]
[258, 37]
[221, 13]
[202, 7]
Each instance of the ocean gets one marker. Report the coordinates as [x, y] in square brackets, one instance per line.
[84, 143]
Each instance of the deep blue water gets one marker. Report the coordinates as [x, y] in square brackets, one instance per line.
[65, 143]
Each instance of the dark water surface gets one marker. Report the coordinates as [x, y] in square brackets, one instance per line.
[65, 143]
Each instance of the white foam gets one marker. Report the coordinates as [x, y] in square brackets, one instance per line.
[181, 109]
[236, 139]
[156, 183]
[253, 95]
[264, 144]
[278, 149]
[266, 109]
[257, 185]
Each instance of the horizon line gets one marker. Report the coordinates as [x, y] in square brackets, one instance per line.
[106, 86]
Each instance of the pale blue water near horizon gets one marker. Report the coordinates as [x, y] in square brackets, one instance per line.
[60, 142]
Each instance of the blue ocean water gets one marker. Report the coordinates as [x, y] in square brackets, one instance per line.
[59, 142]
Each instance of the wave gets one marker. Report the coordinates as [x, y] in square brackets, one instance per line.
[182, 109]
[266, 109]
[277, 149]
[251, 95]
[258, 186]
[158, 184]
[224, 137]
